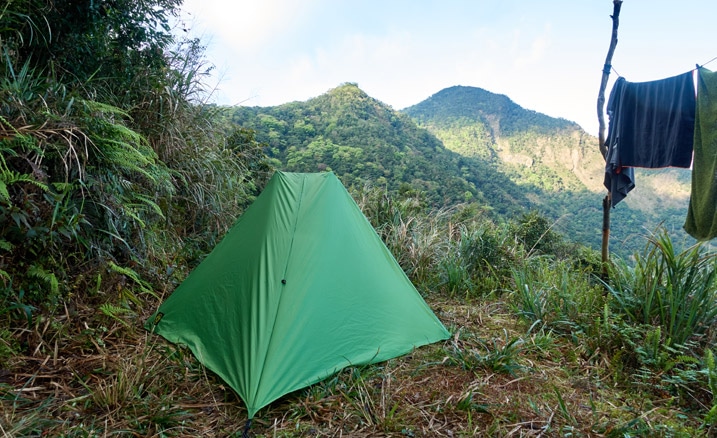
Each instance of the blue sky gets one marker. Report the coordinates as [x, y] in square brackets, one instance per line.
[545, 55]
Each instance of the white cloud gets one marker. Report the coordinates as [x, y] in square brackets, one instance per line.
[246, 26]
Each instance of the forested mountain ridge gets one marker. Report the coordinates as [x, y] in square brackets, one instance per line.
[536, 149]
[464, 145]
[460, 103]
[557, 157]
[365, 141]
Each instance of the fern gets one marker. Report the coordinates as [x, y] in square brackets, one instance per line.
[148, 202]
[47, 277]
[3, 121]
[115, 312]
[130, 212]
[104, 109]
[8, 177]
[5, 277]
[4, 194]
[143, 285]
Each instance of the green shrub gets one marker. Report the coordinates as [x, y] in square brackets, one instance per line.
[455, 276]
[553, 294]
[535, 233]
[149, 177]
[674, 291]
[488, 255]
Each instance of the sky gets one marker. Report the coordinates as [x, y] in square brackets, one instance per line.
[545, 55]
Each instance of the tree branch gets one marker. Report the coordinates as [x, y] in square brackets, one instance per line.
[617, 4]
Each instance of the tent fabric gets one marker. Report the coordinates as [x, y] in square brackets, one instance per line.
[701, 221]
[299, 288]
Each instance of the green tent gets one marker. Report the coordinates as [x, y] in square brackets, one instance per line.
[299, 288]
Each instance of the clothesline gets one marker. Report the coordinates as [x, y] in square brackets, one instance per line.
[713, 59]
[698, 66]
[667, 123]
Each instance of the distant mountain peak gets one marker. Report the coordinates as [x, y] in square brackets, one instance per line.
[348, 98]
[475, 95]
[467, 105]
[348, 88]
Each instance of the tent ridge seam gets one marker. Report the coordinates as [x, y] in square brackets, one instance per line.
[283, 280]
[293, 232]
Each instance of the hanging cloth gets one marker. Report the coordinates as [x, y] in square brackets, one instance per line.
[619, 180]
[651, 126]
[701, 222]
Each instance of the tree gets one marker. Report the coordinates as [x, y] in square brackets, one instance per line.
[110, 42]
[106, 147]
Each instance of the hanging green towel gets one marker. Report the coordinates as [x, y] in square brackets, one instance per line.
[701, 222]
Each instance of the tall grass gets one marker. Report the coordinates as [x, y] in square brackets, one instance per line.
[674, 291]
[557, 364]
[456, 251]
[415, 243]
[554, 295]
[487, 253]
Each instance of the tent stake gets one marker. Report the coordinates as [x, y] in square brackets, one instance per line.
[606, 203]
[247, 427]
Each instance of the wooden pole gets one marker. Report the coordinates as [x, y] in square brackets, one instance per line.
[607, 202]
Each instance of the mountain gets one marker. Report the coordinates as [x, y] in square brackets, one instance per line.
[557, 157]
[464, 144]
[365, 141]
[542, 151]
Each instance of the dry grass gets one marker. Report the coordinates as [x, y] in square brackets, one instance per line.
[89, 375]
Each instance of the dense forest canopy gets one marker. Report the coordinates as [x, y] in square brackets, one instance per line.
[462, 145]
[366, 142]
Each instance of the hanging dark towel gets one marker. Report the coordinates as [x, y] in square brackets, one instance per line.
[618, 180]
[651, 126]
[701, 222]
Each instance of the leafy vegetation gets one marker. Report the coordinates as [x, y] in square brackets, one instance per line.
[543, 350]
[364, 141]
[91, 176]
[116, 178]
[466, 145]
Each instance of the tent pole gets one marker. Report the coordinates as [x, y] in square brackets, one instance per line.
[606, 203]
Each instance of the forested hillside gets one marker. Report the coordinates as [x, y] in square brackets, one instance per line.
[468, 145]
[557, 163]
[537, 150]
[365, 142]
[461, 145]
